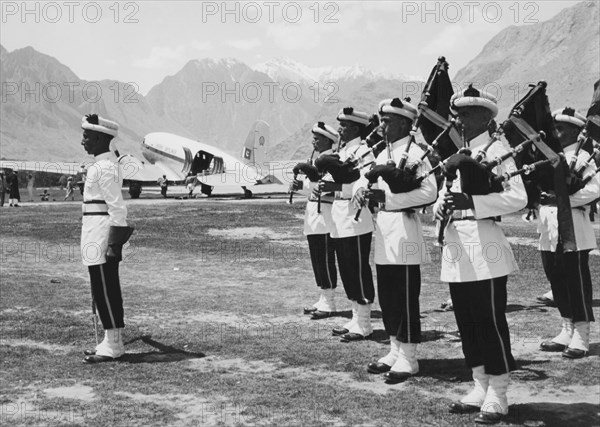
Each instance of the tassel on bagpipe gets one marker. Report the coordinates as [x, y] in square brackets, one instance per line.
[433, 113]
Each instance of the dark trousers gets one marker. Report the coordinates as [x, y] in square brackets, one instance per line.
[2, 196]
[480, 312]
[322, 257]
[106, 292]
[399, 287]
[571, 282]
[353, 261]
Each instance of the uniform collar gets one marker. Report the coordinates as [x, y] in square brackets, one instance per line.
[569, 149]
[326, 152]
[352, 143]
[481, 139]
[400, 142]
[107, 155]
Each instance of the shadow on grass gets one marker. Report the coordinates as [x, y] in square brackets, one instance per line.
[456, 370]
[537, 307]
[347, 314]
[553, 414]
[166, 353]
[596, 303]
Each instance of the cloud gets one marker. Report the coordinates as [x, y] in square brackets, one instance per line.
[244, 44]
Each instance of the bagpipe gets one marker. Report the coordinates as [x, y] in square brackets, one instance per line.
[438, 129]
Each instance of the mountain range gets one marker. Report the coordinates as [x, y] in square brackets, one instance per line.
[217, 101]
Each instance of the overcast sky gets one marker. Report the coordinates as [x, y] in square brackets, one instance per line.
[143, 42]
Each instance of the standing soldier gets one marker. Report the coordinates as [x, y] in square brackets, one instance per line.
[2, 188]
[12, 180]
[103, 233]
[399, 243]
[476, 261]
[569, 272]
[352, 240]
[318, 226]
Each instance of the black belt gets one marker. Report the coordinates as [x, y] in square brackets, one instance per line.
[94, 202]
[322, 201]
[472, 218]
[407, 210]
[553, 205]
[95, 213]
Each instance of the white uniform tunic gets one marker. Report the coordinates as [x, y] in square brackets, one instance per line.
[314, 222]
[584, 230]
[102, 183]
[343, 210]
[399, 235]
[476, 249]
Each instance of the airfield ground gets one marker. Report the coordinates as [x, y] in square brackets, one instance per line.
[213, 291]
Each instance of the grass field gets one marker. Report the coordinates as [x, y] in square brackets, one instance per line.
[213, 292]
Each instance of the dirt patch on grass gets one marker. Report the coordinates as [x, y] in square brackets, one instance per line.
[252, 233]
[77, 391]
[189, 408]
[52, 348]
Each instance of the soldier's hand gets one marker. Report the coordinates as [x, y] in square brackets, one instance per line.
[114, 253]
[376, 195]
[358, 200]
[316, 193]
[547, 198]
[328, 186]
[441, 211]
[297, 185]
[458, 201]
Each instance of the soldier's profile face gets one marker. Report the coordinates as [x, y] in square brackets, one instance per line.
[474, 120]
[348, 130]
[91, 142]
[567, 133]
[321, 143]
[393, 126]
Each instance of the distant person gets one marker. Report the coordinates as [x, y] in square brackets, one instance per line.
[190, 185]
[104, 231]
[164, 185]
[45, 196]
[30, 183]
[13, 183]
[3, 188]
[70, 188]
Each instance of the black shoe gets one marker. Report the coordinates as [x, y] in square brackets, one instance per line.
[317, 315]
[89, 352]
[393, 377]
[99, 359]
[309, 310]
[339, 331]
[378, 368]
[552, 346]
[546, 301]
[462, 408]
[574, 353]
[352, 336]
[489, 418]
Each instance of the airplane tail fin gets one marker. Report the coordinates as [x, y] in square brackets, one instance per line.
[257, 142]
